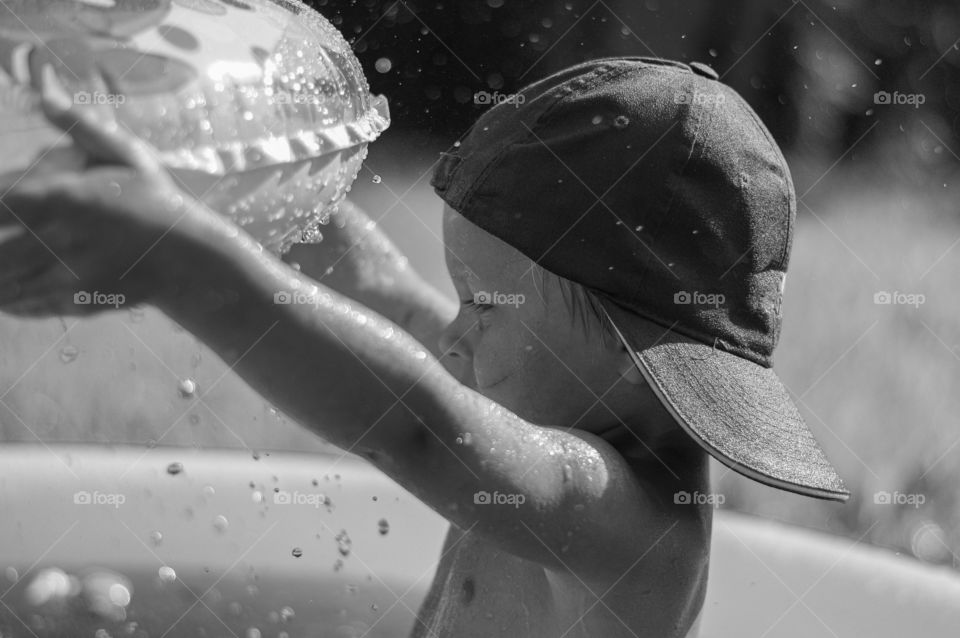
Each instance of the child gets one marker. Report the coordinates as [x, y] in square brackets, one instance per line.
[618, 238]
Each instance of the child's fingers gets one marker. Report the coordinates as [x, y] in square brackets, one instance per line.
[103, 142]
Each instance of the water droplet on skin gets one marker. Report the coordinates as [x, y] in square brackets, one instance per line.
[12, 574]
[257, 496]
[597, 119]
[621, 121]
[383, 526]
[567, 473]
[286, 613]
[175, 468]
[253, 632]
[187, 388]
[374, 607]
[297, 552]
[209, 491]
[338, 565]
[156, 538]
[68, 354]
[467, 438]
[136, 314]
[376, 179]
[220, 523]
[256, 456]
[167, 574]
[235, 608]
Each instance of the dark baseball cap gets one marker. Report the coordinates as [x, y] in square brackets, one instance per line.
[659, 189]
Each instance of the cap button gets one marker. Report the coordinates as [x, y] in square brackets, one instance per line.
[702, 69]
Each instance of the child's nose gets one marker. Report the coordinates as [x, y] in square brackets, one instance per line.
[454, 341]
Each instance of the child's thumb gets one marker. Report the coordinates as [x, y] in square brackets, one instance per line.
[103, 142]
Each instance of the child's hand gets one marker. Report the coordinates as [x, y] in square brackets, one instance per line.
[102, 216]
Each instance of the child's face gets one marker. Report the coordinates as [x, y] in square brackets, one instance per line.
[526, 351]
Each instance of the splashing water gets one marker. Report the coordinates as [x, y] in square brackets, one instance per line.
[167, 574]
[187, 388]
[68, 354]
[343, 542]
[220, 523]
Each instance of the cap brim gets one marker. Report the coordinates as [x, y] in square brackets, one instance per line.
[737, 410]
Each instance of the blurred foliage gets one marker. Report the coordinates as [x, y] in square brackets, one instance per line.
[810, 69]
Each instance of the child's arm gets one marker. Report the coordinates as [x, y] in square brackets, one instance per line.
[357, 380]
[358, 260]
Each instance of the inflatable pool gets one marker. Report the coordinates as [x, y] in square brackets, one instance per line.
[133, 541]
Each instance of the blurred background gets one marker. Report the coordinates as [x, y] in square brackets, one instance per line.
[864, 99]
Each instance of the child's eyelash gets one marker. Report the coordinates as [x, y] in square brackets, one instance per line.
[476, 307]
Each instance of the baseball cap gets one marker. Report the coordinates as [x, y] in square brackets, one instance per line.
[658, 188]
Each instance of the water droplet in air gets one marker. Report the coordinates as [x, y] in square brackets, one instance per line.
[156, 538]
[713, 53]
[383, 527]
[377, 179]
[621, 121]
[343, 542]
[374, 607]
[187, 388]
[383, 65]
[253, 632]
[68, 353]
[175, 468]
[286, 613]
[597, 119]
[639, 228]
[209, 491]
[167, 574]
[220, 523]
[297, 552]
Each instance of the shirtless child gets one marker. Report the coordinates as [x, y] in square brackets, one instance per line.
[618, 239]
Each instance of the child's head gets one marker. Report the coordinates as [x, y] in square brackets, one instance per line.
[540, 344]
[657, 190]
